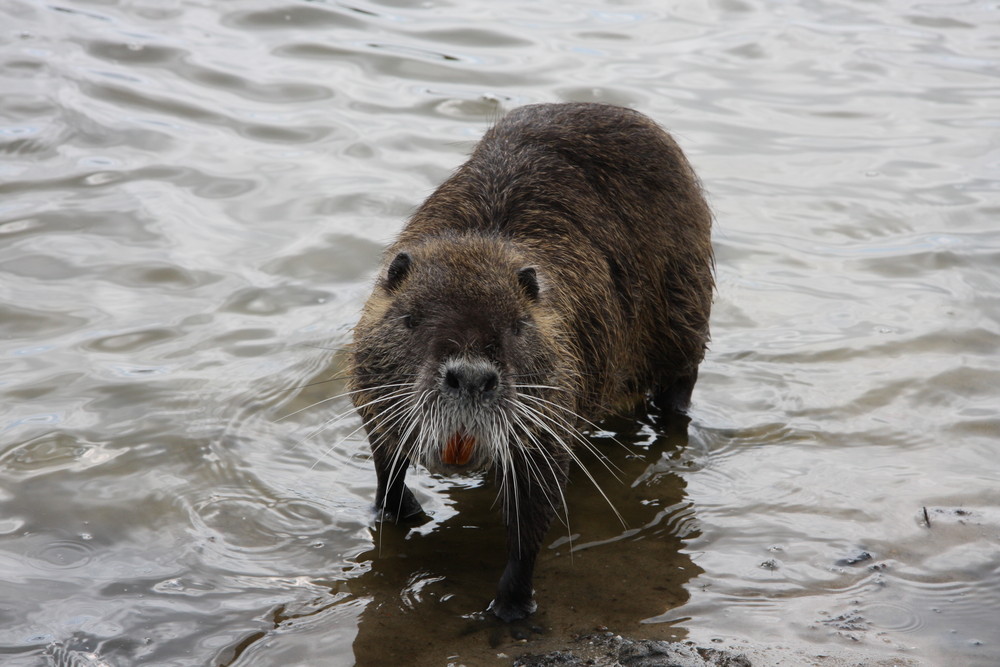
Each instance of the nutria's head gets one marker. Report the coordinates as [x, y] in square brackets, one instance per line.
[455, 357]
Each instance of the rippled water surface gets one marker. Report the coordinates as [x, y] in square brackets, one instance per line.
[193, 200]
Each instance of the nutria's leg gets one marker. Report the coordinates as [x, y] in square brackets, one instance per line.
[528, 511]
[393, 500]
[676, 396]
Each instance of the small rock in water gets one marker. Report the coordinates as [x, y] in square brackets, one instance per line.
[859, 557]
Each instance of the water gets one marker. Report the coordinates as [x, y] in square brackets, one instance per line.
[193, 199]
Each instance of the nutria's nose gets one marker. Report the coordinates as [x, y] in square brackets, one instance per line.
[475, 379]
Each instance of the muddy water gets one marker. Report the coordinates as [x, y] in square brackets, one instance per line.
[193, 198]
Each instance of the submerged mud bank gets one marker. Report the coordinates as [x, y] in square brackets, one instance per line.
[611, 650]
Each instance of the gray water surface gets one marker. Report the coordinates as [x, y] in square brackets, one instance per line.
[193, 199]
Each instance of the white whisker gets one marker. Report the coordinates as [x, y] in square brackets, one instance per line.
[537, 417]
[575, 415]
[334, 398]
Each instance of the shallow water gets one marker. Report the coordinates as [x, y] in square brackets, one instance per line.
[193, 199]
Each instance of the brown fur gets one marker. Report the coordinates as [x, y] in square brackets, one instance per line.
[570, 257]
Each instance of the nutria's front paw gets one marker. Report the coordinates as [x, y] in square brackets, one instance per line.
[404, 510]
[508, 611]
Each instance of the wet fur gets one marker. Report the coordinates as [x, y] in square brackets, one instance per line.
[571, 253]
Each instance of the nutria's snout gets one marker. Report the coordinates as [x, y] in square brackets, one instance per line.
[467, 427]
[470, 381]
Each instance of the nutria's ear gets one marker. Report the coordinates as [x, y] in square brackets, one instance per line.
[398, 269]
[528, 279]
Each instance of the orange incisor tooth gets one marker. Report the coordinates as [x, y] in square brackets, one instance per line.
[458, 451]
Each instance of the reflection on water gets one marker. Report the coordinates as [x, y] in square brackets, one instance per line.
[193, 199]
[433, 581]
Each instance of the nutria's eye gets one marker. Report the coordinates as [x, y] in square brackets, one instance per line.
[409, 321]
[519, 325]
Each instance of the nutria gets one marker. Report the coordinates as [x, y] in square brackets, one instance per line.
[563, 272]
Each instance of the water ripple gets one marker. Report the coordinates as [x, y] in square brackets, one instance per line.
[61, 555]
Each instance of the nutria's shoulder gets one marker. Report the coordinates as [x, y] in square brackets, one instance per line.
[574, 116]
[548, 171]
[585, 134]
